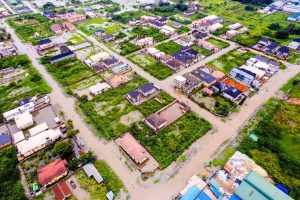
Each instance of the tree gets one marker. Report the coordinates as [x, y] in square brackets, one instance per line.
[274, 26]
[282, 34]
[49, 6]
[83, 98]
[62, 149]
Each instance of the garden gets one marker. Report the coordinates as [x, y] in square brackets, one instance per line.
[69, 71]
[167, 145]
[201, 50]
[277, 126]
[111, 114]
[31, 27]
[147, 31]
[219, 43]
[124, 17]
[152, 66]
[89, 26]
[10, 184]
[98, 191]
[169, 47]
[127, 47]
[230, 60]
[32, 85]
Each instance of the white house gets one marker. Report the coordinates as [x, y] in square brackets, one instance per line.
[24, 120]
[99, 88]
[11, 114]
[179, 81]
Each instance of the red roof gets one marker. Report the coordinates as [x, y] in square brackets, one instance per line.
[49, 172]
[61, 190]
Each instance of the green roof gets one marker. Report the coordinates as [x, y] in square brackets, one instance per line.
[253, 137]
[35, 187]
[255, 187]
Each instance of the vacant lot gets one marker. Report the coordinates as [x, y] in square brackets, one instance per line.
[167, 145]
[149, 64]
[147, 31]
[232, 59]
[32, 85]
[105, 111]
[292, 88]
[31, 27]
[169, 47]
[70, 71]
[218, 43]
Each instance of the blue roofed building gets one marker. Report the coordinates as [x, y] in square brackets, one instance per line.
[283, 52]
[294, 17]
[255, 187]
[271, 48]
[232, 93]
[206, 78]
[191, 194]
[242, 76]
[4, 139]
[48, 13]
[63, 56]
[147, 89]
[44, 41]
[134, 96]
[91, 171]
[262, 59]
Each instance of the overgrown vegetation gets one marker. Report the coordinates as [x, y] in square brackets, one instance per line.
[169, 47]
[10, 185]
[127, 47]
[147, 31]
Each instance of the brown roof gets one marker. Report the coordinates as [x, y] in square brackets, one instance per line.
[133, 148]
[155, 120]
[175, 64]
[166, 57]
[61, 190]
[49, 172]
[56, 27]
[236, 84]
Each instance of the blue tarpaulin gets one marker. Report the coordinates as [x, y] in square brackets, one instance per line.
[191, 194]
[203, 196]
[283, 189]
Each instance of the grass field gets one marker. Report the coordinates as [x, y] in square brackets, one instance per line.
[76, 39]
[292, 87]
[169, 47]
[295, 59]
[202, 51]
[105, 111]
[152, 66]
[167, 145]
[233, 59]
[256, 22]
[218, 43]
[32, 85]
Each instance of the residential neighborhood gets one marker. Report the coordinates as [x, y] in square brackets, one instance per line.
[112, 99]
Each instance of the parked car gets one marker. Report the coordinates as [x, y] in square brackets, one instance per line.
[72, 183]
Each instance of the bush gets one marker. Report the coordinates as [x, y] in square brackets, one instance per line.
[62, 149]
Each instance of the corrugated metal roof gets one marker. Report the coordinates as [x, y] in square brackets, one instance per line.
[91, 170]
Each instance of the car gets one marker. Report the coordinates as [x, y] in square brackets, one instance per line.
[72, 183]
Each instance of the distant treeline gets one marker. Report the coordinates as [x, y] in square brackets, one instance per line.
[256, 2]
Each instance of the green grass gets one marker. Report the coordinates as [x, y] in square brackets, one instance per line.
[70, 71]
[32, 85]
[76, 39]
[105, 111]
[290, 145]
[127, 47]
[202, 51]
[289, 86]
[167, 145]
[96, 190]
[169, 47]
[218, 43]
[295, 59]
[257, 23]
[152, 66]
[230, 60]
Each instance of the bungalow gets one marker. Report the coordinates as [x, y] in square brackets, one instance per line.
[261, 65]
[4, 140]
[264, 41]
[63, 56]
[176, 25]
[76, 18]
[271, 48]
[232, 93]
[134, 96]
[107, 38]
[183, 41]
[232, 33]
[174, 64]
[7, 48]
[189, 12]
[206, 78]
[110, 62]
[147, 89]
[294, 45]
[98, 88]
[156, 24]
[235, 26]
[197, 35]
[91, 171]
[283, 52]
[242, 76]
[165, 58]
[45, 44]
[56, 28]
[183, 57]
[155, 122]
[207, 45]
[167, 30]
[133, 22]
[52, 172]
[69, 26]
[48, 13]
[99, 33]
[262, 59]
[294, 17]
[24, 120]
[144, 41]
[214, 27]
[258, 72]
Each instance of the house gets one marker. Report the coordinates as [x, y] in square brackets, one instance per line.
[261, 65]
[183, 57]
[206, 78]
[95, 59]
[232, 33]
[48, 13]
[147, 89]
[165, 58]
[258, 72]
[197, 35]
[147, 6]
[107, 37]
[52, 172]
[45, 44]
[189, 12]
[90, 15]
[174, 64]
[11, 114]
[256, 187]
[24, 120]
[99, 33]
[294, 17]
[155, 122]
[144, 41]
[283, 52]
[7, 48]
[167, 30]
[264, 41]
[4, 140]
[98, 88]
[242, 75]
[207, 45]
[219, 86]
[156, 24]
[63, 56]
[176, 25]
[37, 142]
[262, 59]
[235, 26]
[76, 18]
[179, 81]
[294, 45]
[134, 96]
[69, 26]
[214, 27]
[133, 22]
[56, 28]
[271, 48]
[38, 129]
[133, 148]
[110, 62]
[62, 191]
[218, 74]
[183, 41]
[91, 171]
[232, 93]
